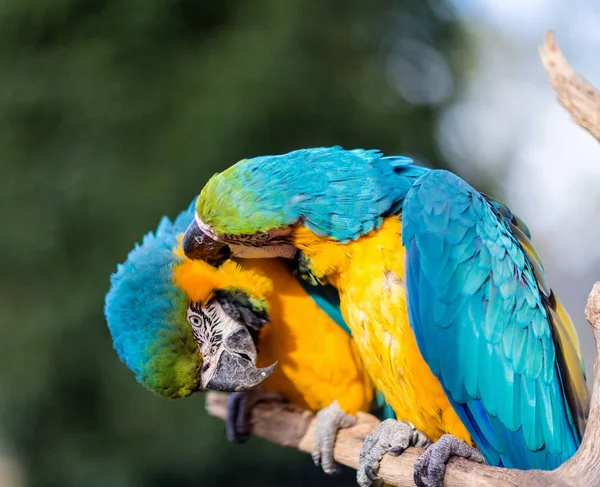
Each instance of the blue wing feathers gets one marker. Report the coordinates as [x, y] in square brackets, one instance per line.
[482, 315]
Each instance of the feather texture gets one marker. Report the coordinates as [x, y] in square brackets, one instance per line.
[146, 309]
[152, 336]
[489, 327]
[335, 192]
[328, 299]
[369, 276]
[317, 360]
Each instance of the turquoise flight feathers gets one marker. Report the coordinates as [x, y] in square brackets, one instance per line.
[489, 327]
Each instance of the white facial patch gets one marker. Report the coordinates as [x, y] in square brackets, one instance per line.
[206, 229]
[210, 325]
[250, 252]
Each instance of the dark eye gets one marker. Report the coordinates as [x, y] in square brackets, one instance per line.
[195, 320]
[262, 236]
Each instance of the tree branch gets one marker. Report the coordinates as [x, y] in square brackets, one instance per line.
[578, 97]
[291, 427]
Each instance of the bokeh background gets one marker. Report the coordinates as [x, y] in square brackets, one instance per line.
[115, 112]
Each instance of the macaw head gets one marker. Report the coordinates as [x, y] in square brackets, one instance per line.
[251, 209]
[183, 325]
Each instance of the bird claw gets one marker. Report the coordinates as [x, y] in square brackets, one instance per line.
[239, 406]
[391, 436]
[432, 463]
[329, 421]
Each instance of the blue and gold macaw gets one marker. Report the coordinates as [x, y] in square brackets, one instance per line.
[489, 357]
[182, 326]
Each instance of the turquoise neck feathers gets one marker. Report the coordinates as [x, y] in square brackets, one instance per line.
[151, 335]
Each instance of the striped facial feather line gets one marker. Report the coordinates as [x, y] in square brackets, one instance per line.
[275, 236]
[207, 329]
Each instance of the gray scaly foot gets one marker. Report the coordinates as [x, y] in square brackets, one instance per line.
[391, 436]
[329, 421]
[432, 464]
[239, 405]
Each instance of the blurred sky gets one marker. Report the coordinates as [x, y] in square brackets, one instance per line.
[509, 127]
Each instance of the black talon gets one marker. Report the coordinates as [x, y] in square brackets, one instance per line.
[372, 474]
[236, 425]
[432, 463]
[417, 477]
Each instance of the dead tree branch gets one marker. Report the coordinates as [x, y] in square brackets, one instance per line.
[579, 98]
[291, 427]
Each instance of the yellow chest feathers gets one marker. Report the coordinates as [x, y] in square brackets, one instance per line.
[369, 275]
[318, 362]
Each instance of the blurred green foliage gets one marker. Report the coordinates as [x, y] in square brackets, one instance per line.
[114, 113]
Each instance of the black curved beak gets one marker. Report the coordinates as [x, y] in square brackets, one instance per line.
[199, 246]
[236, 373]
[236, 370]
